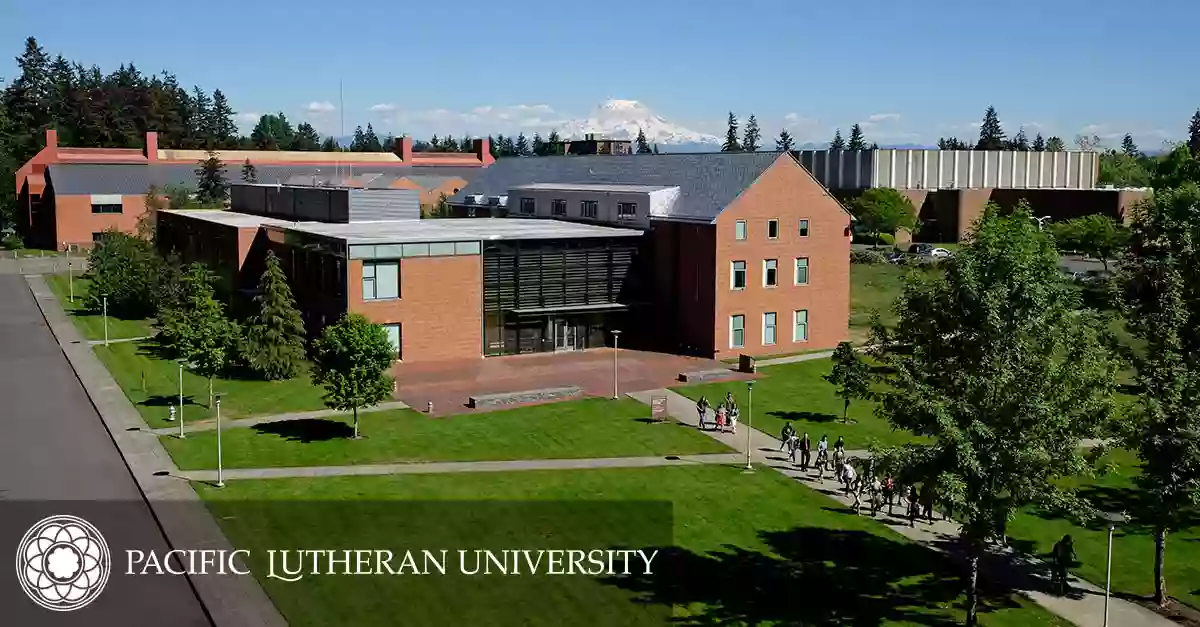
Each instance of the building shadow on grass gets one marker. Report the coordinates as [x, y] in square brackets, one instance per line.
[166, 400]
[307, 430]
[811, 576]
[807, 416]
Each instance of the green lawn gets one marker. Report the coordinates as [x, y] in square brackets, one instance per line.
[86, 313]
[796, 392]
[873, 288]
[741, 549]
[1133, 545]
[132, 363]
[576, 429]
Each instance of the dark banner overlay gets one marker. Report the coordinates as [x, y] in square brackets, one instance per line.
[344, 562]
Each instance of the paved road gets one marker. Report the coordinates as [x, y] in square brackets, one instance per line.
[57, 458]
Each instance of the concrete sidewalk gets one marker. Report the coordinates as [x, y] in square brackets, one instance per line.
[209, 424]
[230, 601]
[1085, 609]
[451, 467]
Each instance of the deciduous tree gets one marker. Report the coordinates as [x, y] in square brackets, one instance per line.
[1099, 236]
[197, 331]
[352, 358]
[1055, 144]
[883, 210]
[274, 342]
[992, 362]
[851, 375]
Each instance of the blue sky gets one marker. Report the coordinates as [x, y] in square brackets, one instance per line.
[914, 70]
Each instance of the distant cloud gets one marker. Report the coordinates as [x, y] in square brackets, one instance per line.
[805, 129]
[876, 118]
[320, 107]
[485, 119]
[382, 108]
[249, 116]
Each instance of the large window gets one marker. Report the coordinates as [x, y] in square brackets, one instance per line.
[737, 331]
[772, 229]
[528, 206]
[588, 208]
[804, 228]
[106, 208]
[802, 271]
[738, 278]
[381, 279]
[393, 335]
[626, 210]
[800, 331]
[770, 272]
[739, 230]
[558, 207]
[769, 328]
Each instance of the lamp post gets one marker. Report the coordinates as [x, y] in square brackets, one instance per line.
[104, 298]
[750, 422]
[1113, 519]
[616, 339]
[181, 434]
[220, 473]
[70, 272]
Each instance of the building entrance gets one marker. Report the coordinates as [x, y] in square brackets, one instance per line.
[564, 335]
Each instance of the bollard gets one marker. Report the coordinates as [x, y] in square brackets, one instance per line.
[429, 407]
[171, 414]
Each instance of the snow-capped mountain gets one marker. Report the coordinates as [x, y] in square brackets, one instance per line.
[621, 119]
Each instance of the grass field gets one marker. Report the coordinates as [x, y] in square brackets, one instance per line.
[575, 429]
[797, 393]
[86, 313]
[1133, 544]
[132, 363]
[745, 549]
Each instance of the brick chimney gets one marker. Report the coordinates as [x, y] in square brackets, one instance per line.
[52, 141]
[406, 149]
[483, 149]
[151, 146]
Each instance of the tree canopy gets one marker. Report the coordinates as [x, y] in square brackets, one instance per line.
[1099, 236]
[883, 210]
[351, 360]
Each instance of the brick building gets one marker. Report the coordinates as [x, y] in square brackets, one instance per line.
[712, 254]
[68, 195]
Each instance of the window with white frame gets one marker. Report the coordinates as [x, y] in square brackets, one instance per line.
[801, 271]
[381, 280]
[737, 279]
[393, 335]
[528, 206]
[739, 230]
[800, 326]
[772, 229]
[558, 207]
[803, 228]
[770, 272]
[769, 328]
[737, 331]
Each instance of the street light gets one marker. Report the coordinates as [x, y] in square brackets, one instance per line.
[1113, 519]
[70, 272]
[616, 339]
[104, 297]
[220, 473]
[750, 422]
[181, 434]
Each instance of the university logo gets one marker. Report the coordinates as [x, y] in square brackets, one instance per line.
[63, 563]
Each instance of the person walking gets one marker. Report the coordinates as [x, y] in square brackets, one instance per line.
[927, 499]
[822, 456]
[702, 410]
[888, 487]
[913, 506]
[786, 435]
[805, 445]
[1064, 558]
[792, 444]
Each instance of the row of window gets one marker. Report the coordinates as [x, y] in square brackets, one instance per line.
[106, 208]
[587, 208]
[770, 330]
[740, 229]
[737, 278]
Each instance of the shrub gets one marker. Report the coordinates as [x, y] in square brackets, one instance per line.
[869, 257]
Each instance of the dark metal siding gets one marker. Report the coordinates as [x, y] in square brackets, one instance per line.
[384, 204]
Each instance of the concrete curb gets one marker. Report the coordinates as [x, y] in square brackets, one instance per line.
[228, 601]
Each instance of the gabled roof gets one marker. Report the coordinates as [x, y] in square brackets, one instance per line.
[707, 182]
[132, 179]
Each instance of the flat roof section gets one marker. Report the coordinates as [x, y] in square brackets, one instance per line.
[456, 230]
[593, 187]
[227, 218]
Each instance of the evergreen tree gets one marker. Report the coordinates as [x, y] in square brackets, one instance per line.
[1019, 141]
[371, 140]
[1055, 144]
[306, 138]
[25, 102]
[435, 144]
[330, 145]
[952, 143]
[1039, 143]
[494, 148]
[752, 136]
[991, 136]
[498, 146]
[838, 143]
[731, 136]
[203, 133]
[211, 187]
[389, 143]
[449, 144]
[656, 149]
[553, 142]
[225, 131]
[508, 148]
[1128, 147]
[274, 342]
[351, 360]
[642, 146]
[466, 144]
[197, 331]
[249, 172]
[1193, 141]
[521, 146]
[539, 145]
[272, 132]
[856, 141]
[874, 146]
[784, 142]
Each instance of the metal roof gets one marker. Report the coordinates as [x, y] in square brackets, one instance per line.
[456, 230]
[227, 218]
[584, 187]
[135, 178]
[708, 182]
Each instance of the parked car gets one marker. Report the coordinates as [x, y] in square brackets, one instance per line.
[939, 253]
[920, 249]
[896, 258]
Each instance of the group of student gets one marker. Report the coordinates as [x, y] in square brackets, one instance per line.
[725, 417]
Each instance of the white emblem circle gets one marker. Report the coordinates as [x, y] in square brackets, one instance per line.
[63, 563]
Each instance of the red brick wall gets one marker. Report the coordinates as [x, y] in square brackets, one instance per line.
[787, 192]
[75, 222]
[440, 306]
